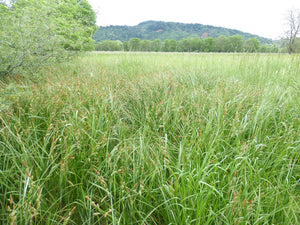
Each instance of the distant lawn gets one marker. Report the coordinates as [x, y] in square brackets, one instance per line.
[151, 138]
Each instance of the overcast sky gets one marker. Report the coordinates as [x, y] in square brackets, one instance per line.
[262, 17]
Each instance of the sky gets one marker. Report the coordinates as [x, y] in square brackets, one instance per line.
[265, 18]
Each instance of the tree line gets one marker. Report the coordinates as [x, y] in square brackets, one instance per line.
[234, 43]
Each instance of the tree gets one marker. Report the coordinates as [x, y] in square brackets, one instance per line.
[125, 46]
[173, 45]
[184, 45]
[34, 32]
[145, 45]
[220, 43]
[236, 43]
[208, 44]
[109, 46]
[166, 45]
[293, 23]
[26, 36]
[76, 23]
[195, 44]
[134, 44]
[252, 45]
[170, 45]
[156, 45]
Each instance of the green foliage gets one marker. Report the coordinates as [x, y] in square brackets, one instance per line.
[194, 44]
[134, 138]
[134, 44]
[35, 32]
[297, 45]
[170, 45]
[252, 45]
[126, 46]
[76, 23]
[145, 45]
[27, 37]
[291, 47]
[235, 43]
[208, 44]
[156, 45]
[109, 46]
[151, 30]
[221, 44]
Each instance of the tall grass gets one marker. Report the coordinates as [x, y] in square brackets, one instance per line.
[153, 139]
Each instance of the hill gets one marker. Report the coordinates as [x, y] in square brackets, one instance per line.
[151, 30]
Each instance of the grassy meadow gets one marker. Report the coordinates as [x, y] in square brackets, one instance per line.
[153, 138]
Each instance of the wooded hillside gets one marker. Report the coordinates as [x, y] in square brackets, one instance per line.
[151, 30]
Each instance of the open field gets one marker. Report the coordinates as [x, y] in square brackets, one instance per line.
[145, 138]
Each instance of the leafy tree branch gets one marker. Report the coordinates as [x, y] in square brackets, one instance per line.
[36, 32]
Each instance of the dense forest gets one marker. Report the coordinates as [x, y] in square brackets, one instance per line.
[152, 30]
